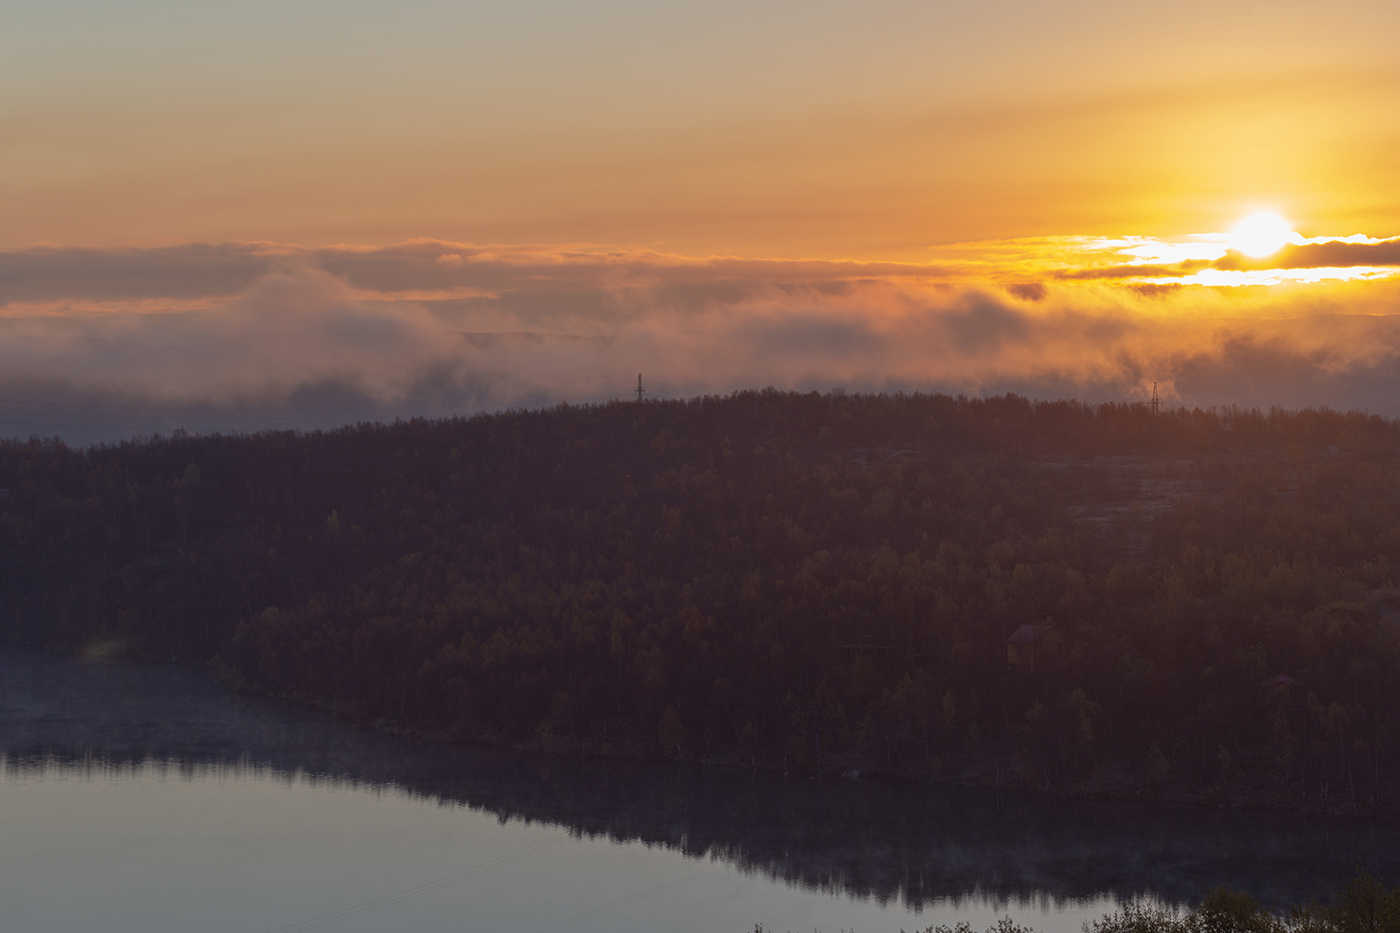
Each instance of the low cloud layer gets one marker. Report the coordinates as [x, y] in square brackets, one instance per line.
[1327, 254]
[101, 344]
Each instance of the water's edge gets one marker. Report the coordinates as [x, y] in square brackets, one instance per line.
[886, 839]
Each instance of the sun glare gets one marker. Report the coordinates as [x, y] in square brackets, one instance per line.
[1261, 234]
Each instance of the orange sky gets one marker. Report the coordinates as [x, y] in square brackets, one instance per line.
[830, 130]
[352, 208]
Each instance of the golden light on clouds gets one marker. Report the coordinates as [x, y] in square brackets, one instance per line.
[891, 194]
[216, 335]
[1262, 249]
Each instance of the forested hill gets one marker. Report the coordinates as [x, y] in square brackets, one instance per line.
[805, 582]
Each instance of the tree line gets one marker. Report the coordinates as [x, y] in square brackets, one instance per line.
[1363, 906]
[798, 581]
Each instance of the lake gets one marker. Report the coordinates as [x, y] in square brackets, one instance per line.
[146, 797]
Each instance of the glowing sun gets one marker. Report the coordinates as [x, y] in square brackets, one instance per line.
[1261, 234]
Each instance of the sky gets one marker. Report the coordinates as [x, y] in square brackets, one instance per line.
[251, 214]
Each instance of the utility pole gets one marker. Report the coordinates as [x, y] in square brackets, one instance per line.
[1156, 402]
[642, 393]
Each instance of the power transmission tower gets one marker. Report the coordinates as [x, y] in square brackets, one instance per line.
[1156, 403]
[641, 393]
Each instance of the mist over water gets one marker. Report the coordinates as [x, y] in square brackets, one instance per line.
[166, 796]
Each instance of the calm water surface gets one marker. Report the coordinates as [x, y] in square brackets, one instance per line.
[140, 797]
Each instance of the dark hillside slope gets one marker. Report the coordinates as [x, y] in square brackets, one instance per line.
[797, 581]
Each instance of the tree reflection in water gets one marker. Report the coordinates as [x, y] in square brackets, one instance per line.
[881, 839]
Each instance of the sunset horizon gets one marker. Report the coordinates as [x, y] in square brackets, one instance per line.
[513, 466]
[895, 198]
[240, 336]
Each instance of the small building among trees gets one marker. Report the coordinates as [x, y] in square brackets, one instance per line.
[1020, 647]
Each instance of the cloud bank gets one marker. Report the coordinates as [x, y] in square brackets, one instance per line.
[96, 345]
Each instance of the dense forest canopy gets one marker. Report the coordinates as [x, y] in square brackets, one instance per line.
[807, 582]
